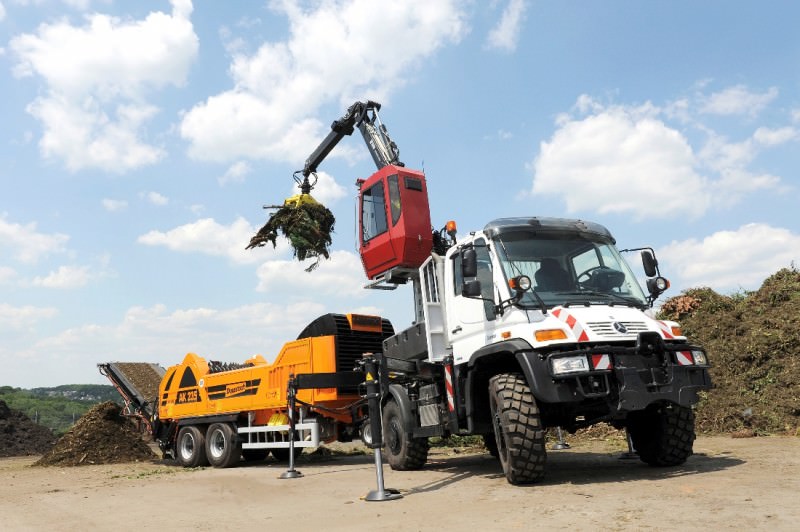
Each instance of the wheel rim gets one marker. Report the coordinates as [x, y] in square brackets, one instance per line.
[393, 437]
[187, 446]
[217, 444]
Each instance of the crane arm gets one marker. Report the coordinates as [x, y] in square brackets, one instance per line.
[364, 116]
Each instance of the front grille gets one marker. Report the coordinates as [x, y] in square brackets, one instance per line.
[606, 328]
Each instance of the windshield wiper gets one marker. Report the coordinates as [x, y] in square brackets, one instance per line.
[627, 300]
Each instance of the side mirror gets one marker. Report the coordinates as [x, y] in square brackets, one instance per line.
[469, 263]
[471, 289]
[649, 263]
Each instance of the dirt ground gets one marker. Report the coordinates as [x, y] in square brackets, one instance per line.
[749, 483]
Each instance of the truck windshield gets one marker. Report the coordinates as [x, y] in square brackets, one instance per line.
[568, 268]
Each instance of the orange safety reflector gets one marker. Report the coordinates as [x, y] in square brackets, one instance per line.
[505, 335]
[676, 331]
[547, 335]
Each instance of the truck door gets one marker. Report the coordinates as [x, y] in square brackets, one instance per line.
[470, 321]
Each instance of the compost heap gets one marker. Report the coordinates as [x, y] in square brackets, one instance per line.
[101, 436]
[753, 343]
[20, 435]
[305, 222]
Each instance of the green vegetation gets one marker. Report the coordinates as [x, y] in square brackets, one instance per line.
[753, 344]
[58, 408]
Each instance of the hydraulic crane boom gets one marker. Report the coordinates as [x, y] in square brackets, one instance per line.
[364, 116]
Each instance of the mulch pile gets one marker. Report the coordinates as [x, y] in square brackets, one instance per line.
[753, 343]
[101, 436]
[20, 436]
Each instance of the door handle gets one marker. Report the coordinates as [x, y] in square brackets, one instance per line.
[456, 330]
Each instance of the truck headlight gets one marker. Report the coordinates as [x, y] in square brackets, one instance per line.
[700, 358]
[566, 365]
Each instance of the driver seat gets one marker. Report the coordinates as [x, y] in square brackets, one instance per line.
[551, 277]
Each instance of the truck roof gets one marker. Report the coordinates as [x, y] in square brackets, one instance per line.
[536, 223]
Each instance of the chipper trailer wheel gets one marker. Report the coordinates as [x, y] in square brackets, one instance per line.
[223, 447]
[517, 428]
[191, 447]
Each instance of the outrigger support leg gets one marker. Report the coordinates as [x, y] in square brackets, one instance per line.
[374, 405]
[291, 391]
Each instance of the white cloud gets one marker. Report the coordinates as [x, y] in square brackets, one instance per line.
[208, 237]
[6, 274]
[28, 245]
[236, 173]
[730, 260]
[773, 137]
[66, 277]
[342, 275]
[98, 76]
[738, 100]
[25, 316]
[337, 52]
[112, 205]
[327, 190]
[156, 199]
[628, 159]
[621, 160]
[2, 12]
[505, 34]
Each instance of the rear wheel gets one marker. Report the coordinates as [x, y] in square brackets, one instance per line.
[223, 448]
[663, 434]
[403, 452]
[191, 448]
[517, 428]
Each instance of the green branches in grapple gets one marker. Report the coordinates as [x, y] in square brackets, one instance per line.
[305, 222]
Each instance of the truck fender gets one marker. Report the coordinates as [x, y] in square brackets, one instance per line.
[398, 393]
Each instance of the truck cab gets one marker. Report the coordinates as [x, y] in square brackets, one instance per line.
[540, 322]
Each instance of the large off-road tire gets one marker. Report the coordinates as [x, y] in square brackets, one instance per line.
[403, 452]
[517, 428]
[223, 448]
[191, 447]
[663, 434]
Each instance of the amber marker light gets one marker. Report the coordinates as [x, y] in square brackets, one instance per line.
[450, 226]
[548, 335]
[676, 331]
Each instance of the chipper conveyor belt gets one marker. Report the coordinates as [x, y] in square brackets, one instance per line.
[137, 383]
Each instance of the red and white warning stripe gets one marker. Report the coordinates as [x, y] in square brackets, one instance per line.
[448, 384]
[601, 362]
[572, 323]
[666, 330]
[684, 358]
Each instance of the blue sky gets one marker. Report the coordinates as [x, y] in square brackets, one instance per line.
[140, 140]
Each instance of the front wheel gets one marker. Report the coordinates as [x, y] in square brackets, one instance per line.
[191, 447]
[663, 434]
[517, 428]
[223, 447]
[403, 452]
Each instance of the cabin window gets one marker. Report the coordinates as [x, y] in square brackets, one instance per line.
[373, 212]
[394, 198]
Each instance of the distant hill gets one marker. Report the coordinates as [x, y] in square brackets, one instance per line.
[59, 407]
[753, 344]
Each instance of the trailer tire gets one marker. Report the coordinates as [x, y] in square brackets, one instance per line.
[223, 447]
[402, 451]
[663, 434]
[191, 447]
[517, 428]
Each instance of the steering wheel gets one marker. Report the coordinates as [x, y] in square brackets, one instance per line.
[587, 274]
